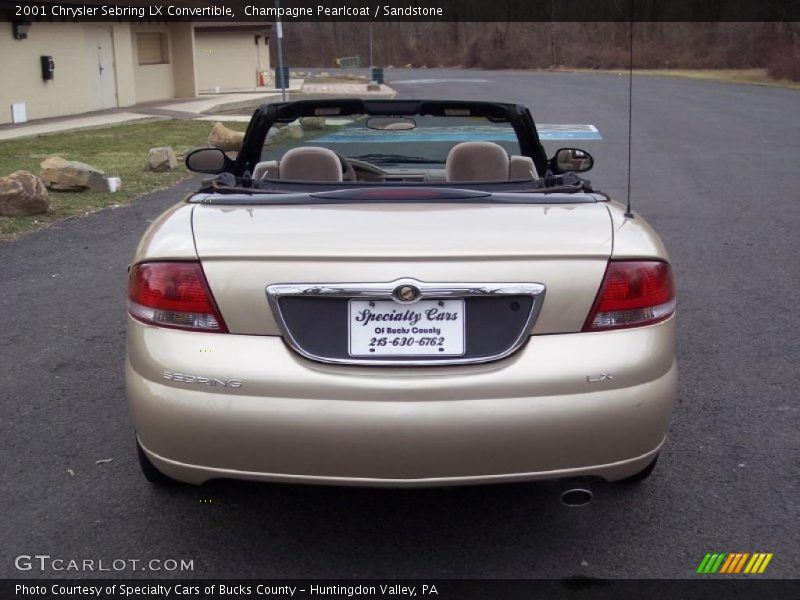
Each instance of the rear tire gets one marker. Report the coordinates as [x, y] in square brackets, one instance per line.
[641, 475]
[149, 470]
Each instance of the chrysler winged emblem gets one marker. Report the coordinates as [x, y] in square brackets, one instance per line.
[406, 293]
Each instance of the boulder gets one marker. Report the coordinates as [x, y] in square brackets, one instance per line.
[161, 159]
[72, 176]
[225, 139]
[292, 131]
[312, 123]
[23, 193]
[274, 135]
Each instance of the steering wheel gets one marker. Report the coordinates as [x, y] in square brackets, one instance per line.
[348, 173]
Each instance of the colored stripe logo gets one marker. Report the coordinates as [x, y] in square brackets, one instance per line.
[734, 563]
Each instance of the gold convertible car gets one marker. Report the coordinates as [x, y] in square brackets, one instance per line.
[399, 293]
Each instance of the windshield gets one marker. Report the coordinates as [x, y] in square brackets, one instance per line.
[427, 143]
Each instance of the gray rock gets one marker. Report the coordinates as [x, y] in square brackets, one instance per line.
[274, 135]
[312, 123]
[225, 139]
[23, 193]
[72, 176]
[373, 87]
[292, 131]
[161, 159]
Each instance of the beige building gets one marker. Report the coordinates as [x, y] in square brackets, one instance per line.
[107, 65]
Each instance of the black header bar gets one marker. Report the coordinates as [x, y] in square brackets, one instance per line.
[233, 11]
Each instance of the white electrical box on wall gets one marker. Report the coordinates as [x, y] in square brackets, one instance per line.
[19, 113]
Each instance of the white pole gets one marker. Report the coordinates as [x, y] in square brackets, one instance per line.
[279, 29]
[371, 62]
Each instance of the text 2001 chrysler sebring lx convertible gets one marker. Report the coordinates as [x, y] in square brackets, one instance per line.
[385, 304]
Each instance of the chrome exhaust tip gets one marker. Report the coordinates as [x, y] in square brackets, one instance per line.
[576, 492]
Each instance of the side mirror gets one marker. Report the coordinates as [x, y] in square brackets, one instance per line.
[572, 160]
[208, 160]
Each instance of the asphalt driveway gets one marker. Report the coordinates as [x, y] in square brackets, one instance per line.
[715, 171]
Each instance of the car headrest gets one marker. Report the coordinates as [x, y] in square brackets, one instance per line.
[476, 161]
[267, 169]
[310, 163]
[521, 167]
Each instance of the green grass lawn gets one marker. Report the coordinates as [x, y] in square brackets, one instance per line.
[120, 151]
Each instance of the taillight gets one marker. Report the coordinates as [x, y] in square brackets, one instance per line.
[633, 293]
[173, 294]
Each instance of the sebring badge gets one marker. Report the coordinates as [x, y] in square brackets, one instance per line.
[406, 293]
[210, 381]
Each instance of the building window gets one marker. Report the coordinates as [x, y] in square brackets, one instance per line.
[152, 48]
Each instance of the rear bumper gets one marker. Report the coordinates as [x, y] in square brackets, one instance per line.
[198, 474]
[531, 416]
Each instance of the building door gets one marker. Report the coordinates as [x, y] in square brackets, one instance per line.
[102, 72]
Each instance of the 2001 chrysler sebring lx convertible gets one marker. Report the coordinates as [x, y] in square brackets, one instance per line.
[410, 294]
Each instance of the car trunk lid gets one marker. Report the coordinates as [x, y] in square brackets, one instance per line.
[245, 248]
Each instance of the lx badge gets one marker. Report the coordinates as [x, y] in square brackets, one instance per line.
[599, 378]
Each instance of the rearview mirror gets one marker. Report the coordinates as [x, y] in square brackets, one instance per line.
[573, 160]
[208, 160]
[391, 123]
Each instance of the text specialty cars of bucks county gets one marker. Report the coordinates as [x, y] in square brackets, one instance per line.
[410, 294]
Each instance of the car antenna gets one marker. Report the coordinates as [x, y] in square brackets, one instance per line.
[628, 211]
